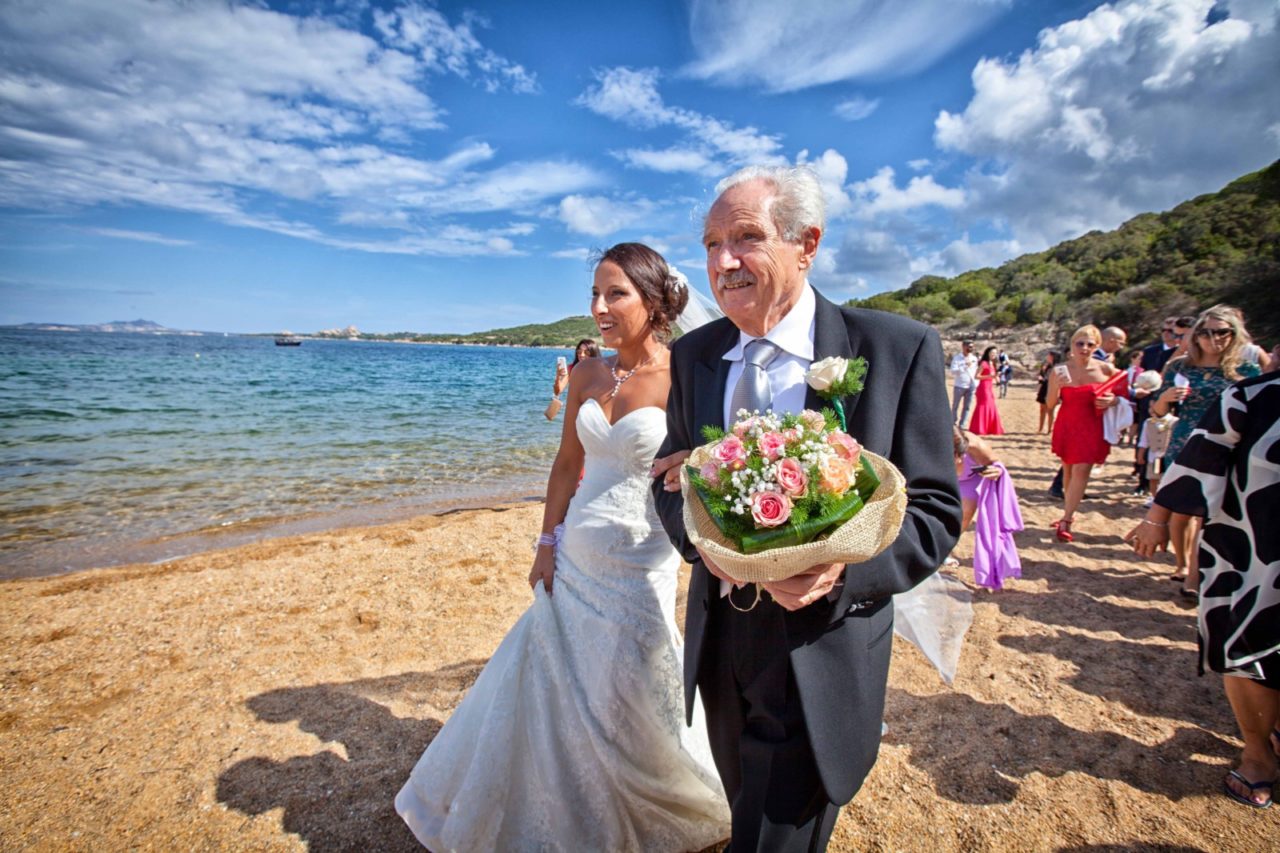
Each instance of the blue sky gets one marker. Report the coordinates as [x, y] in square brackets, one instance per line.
[234, 166]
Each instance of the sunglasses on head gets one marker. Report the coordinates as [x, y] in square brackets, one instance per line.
[1217, 334]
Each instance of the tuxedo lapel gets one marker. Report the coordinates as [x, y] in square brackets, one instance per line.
[709, 378]
[831, 339]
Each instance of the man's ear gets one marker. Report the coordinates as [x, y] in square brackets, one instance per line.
[809, 241]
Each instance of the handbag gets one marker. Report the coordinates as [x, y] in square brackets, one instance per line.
[553, 409]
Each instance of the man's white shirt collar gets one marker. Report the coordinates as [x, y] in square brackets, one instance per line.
[794, 332]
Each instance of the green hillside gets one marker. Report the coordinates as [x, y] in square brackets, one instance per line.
[561, 333]
[1220, 247]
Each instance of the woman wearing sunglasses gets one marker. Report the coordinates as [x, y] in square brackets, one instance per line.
[1086, 387]
[1193, 382]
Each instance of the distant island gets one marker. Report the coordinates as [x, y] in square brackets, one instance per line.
[136, 327]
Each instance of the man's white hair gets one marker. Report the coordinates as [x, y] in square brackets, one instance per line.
[797, 203]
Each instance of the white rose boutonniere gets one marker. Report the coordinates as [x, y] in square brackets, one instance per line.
[836, 377]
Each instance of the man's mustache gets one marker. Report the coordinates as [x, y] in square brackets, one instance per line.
[735, 277]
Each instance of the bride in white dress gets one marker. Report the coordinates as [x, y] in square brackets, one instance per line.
[573, 736]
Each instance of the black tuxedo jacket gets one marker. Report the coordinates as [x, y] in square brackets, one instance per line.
[1155, 357]
[839, 646]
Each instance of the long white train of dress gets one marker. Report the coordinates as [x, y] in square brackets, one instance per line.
[573, 737]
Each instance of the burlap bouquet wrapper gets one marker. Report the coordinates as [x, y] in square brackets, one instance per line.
[857, 540]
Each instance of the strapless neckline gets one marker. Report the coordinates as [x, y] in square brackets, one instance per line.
[612, 424]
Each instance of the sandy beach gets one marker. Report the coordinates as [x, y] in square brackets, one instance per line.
[274, 696]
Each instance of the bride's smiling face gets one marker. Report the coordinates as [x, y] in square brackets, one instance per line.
[617, 307]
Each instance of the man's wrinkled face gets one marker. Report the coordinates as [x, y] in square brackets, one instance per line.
[755, 275]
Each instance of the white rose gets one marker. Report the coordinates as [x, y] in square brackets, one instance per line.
[821, 375]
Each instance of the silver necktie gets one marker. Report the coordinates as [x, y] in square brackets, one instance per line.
[752, 391]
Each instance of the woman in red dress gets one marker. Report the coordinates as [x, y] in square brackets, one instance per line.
[986, 417]
[1086, 387]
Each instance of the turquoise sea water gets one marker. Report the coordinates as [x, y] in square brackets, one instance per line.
[122, 447]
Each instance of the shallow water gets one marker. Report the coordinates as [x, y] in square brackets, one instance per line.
[117, 447]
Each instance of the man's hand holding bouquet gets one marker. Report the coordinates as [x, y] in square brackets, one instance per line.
[777, 495]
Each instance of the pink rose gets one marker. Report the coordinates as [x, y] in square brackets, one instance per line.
[772, 445]
[791, 435]
[834, 475]
[743, 426]
[769, 509]
[845, 445]
[710, 472]
[730, 452]
[792, 478]
[813, 420]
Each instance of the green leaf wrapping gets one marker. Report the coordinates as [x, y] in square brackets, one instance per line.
[830, 513]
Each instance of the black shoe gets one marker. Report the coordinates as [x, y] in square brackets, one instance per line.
[1139, 492]
[1056, 493]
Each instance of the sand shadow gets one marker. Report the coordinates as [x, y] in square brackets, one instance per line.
[1114, 670]
[334, 803]
[988, 770]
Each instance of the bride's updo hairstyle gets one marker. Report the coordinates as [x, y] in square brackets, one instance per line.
[663, 292]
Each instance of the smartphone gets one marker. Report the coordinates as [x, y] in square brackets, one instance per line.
[561, 364]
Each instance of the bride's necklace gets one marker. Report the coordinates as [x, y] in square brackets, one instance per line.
[618, 380]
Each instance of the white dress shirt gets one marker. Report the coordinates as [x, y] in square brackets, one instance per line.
[794, 338]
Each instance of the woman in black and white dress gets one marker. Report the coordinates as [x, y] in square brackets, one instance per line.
[1228, 472]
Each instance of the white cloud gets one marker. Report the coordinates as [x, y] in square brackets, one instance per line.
[447, 47]
[1136, 106]
[600, 216]
[919, 165]
[140, 236]
[786, 47]
[669, 160]
[581, 253]
[856, 108]
[631, 96]
[879, 194]
[226, 109]
[832, 170]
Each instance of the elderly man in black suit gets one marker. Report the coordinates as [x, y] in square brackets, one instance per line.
[794, 687]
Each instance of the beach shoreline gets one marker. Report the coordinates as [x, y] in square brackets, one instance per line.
[274, 695]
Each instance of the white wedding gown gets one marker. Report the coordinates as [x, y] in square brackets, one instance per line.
[573, 737]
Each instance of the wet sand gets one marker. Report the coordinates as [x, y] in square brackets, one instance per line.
[274, 696]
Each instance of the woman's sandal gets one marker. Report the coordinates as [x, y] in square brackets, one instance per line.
[1063, 528]
[1252, 786]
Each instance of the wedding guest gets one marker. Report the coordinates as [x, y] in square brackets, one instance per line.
[1004, 373]
[1154, 357]
[964, 371]
[794, 686]
[586, 348]
[1042, 391]
[571, 737]
[1226, 475]
[986, 416]
[1193, 382]
[1087, 387]
[1113, 340]
[1132, 372]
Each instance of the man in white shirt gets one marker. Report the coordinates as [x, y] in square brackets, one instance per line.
[964, 371]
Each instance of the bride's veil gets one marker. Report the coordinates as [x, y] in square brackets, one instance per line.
[936, 614]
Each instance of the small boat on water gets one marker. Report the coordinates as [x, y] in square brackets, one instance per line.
[288, 341]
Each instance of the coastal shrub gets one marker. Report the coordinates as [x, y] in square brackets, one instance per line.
[927, 285]
[971, 293]
[881, 302]
[933, 308]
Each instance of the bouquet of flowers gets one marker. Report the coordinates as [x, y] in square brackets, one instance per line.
[777, 494]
